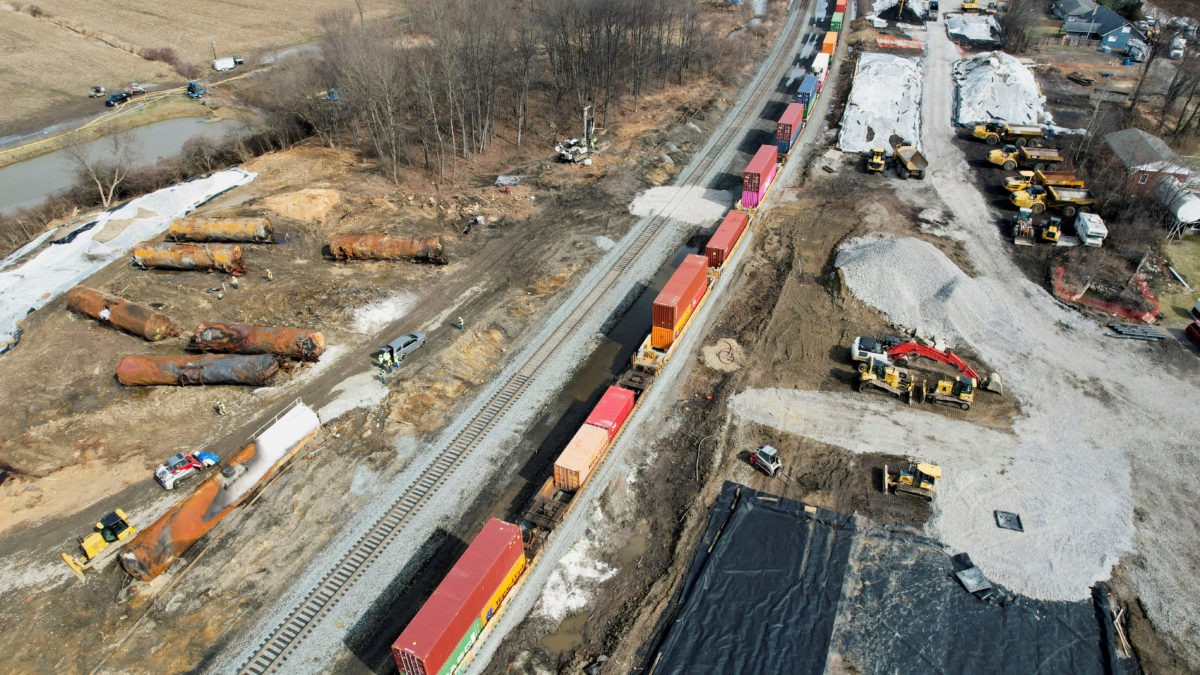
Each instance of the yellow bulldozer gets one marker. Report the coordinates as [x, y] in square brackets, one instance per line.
[876, 375]
[113, 528]
[959, 391]
[918, 480]
[876, 162]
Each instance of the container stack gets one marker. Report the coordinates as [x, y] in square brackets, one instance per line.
[758, 176]
[679, 297]
[728, 233]
[829, 44]
[789, 126]
[807, 93]
[442, 632]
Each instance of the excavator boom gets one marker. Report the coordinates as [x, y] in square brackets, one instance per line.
[907, 348]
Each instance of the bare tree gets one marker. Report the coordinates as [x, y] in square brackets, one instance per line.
[1018, 22]
[103, 165]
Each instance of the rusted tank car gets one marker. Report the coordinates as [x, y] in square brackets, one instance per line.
[384, 247]
[298, 343]
[138, 320]
[186, 369]
[249, 230]
[154, 548]
[220, 257]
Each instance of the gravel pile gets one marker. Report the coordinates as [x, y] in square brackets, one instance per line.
[996, 86]
[885, 100]
[694, 205]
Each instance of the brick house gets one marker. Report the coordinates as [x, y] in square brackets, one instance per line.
[1146, 159]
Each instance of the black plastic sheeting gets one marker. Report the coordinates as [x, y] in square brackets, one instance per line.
[764, 599]
[789, 590]
[905, 612]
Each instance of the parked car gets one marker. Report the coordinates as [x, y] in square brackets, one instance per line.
[1193, 332]
[182, 466]
[401, 347]
[116, 99]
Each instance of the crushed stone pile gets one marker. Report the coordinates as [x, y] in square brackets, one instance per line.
[973, 27]
[996, 86]
[885, 100]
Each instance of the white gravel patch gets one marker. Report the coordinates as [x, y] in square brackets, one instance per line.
[573, 580]
[694, 205]
[996, 86]
[1073, 498]
[885, 100]
[370, 319]
[604, 243]
[41, 574]
[357, 391]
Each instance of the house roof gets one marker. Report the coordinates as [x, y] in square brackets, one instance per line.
[1140, 151]
[1074, 7]
[1099, 21]
[1081, 27]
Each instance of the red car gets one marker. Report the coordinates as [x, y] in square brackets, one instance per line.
[1193, 332]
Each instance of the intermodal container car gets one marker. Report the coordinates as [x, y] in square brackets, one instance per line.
[807, 93]
[577, 461]
[726, 236]
[612, 410]
[820, 68]
[678, 299]
[835, 24]
[759, 174]
[830, 43]
[440, 635]
[788, 127]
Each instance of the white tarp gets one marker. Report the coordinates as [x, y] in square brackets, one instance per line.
[917, 7]
[885, 100]
[973, 27]
[996, 86]
[58, 267]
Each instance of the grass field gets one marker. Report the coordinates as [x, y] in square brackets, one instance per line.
[50, 60]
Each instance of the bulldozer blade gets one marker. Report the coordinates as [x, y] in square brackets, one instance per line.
[993, 383]
[75, 567]
[887, 480]
[1023, 241]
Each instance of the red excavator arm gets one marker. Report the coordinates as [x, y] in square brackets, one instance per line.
[903, 350]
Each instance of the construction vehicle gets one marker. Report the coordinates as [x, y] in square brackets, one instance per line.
[876, 162]
[195, 90]
[113, 528]
[1052, 229]
[578, 150]
[971, 6]
[1038, 198]
[766, 459]
[960, 392]
[1056, 178]
[1009, 157]
[909, 160]
[994, 132]
[932, 15]
[890, 350]
[1023, 228]
[889, 379]
[918, 480]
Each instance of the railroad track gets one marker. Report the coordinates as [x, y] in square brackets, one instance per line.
[301, 621]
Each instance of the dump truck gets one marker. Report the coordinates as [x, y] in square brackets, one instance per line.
[1038, 198]
[1009, 157]
[994, 132]
[909, 160]
[1056, 178]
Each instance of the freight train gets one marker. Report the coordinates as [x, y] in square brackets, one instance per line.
[464, 606]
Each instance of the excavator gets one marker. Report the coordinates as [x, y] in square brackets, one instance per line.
[113, 528]
[902, 353]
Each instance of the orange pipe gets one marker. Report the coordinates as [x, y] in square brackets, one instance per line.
[222, 257]
[298, 343]
[384, 247]
[138, 320]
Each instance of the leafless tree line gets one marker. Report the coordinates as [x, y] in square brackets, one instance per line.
[438, 86]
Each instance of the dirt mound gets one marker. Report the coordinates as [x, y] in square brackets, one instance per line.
[307, 206]
[725, 356]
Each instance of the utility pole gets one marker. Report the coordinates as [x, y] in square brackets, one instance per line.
[587, 128]
[214, 48]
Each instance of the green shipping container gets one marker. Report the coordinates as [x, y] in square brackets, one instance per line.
[460, 651]
[836, 23]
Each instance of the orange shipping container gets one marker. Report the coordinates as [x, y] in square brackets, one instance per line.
[678, 299]
[830, 43]
[576, 463]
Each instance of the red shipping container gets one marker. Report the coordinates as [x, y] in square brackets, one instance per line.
[789, 125]
[751, 199]
[727, 234]
[678, 298]
[763, 163]
[611, 411]
[840, 6]
[438, 628]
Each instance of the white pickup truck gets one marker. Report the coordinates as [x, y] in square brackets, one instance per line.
[865, 348]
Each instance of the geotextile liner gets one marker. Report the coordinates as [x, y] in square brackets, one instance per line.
[776, 588]
[298, 343]
[762, 591]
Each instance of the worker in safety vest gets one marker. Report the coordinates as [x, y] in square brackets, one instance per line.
[233, 281]
[220, 407]
[269, 276]
[459, 324]
[386, 361]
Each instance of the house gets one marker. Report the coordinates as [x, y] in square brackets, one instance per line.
[1073, 10]
[1146, 158]
[1105, 25]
